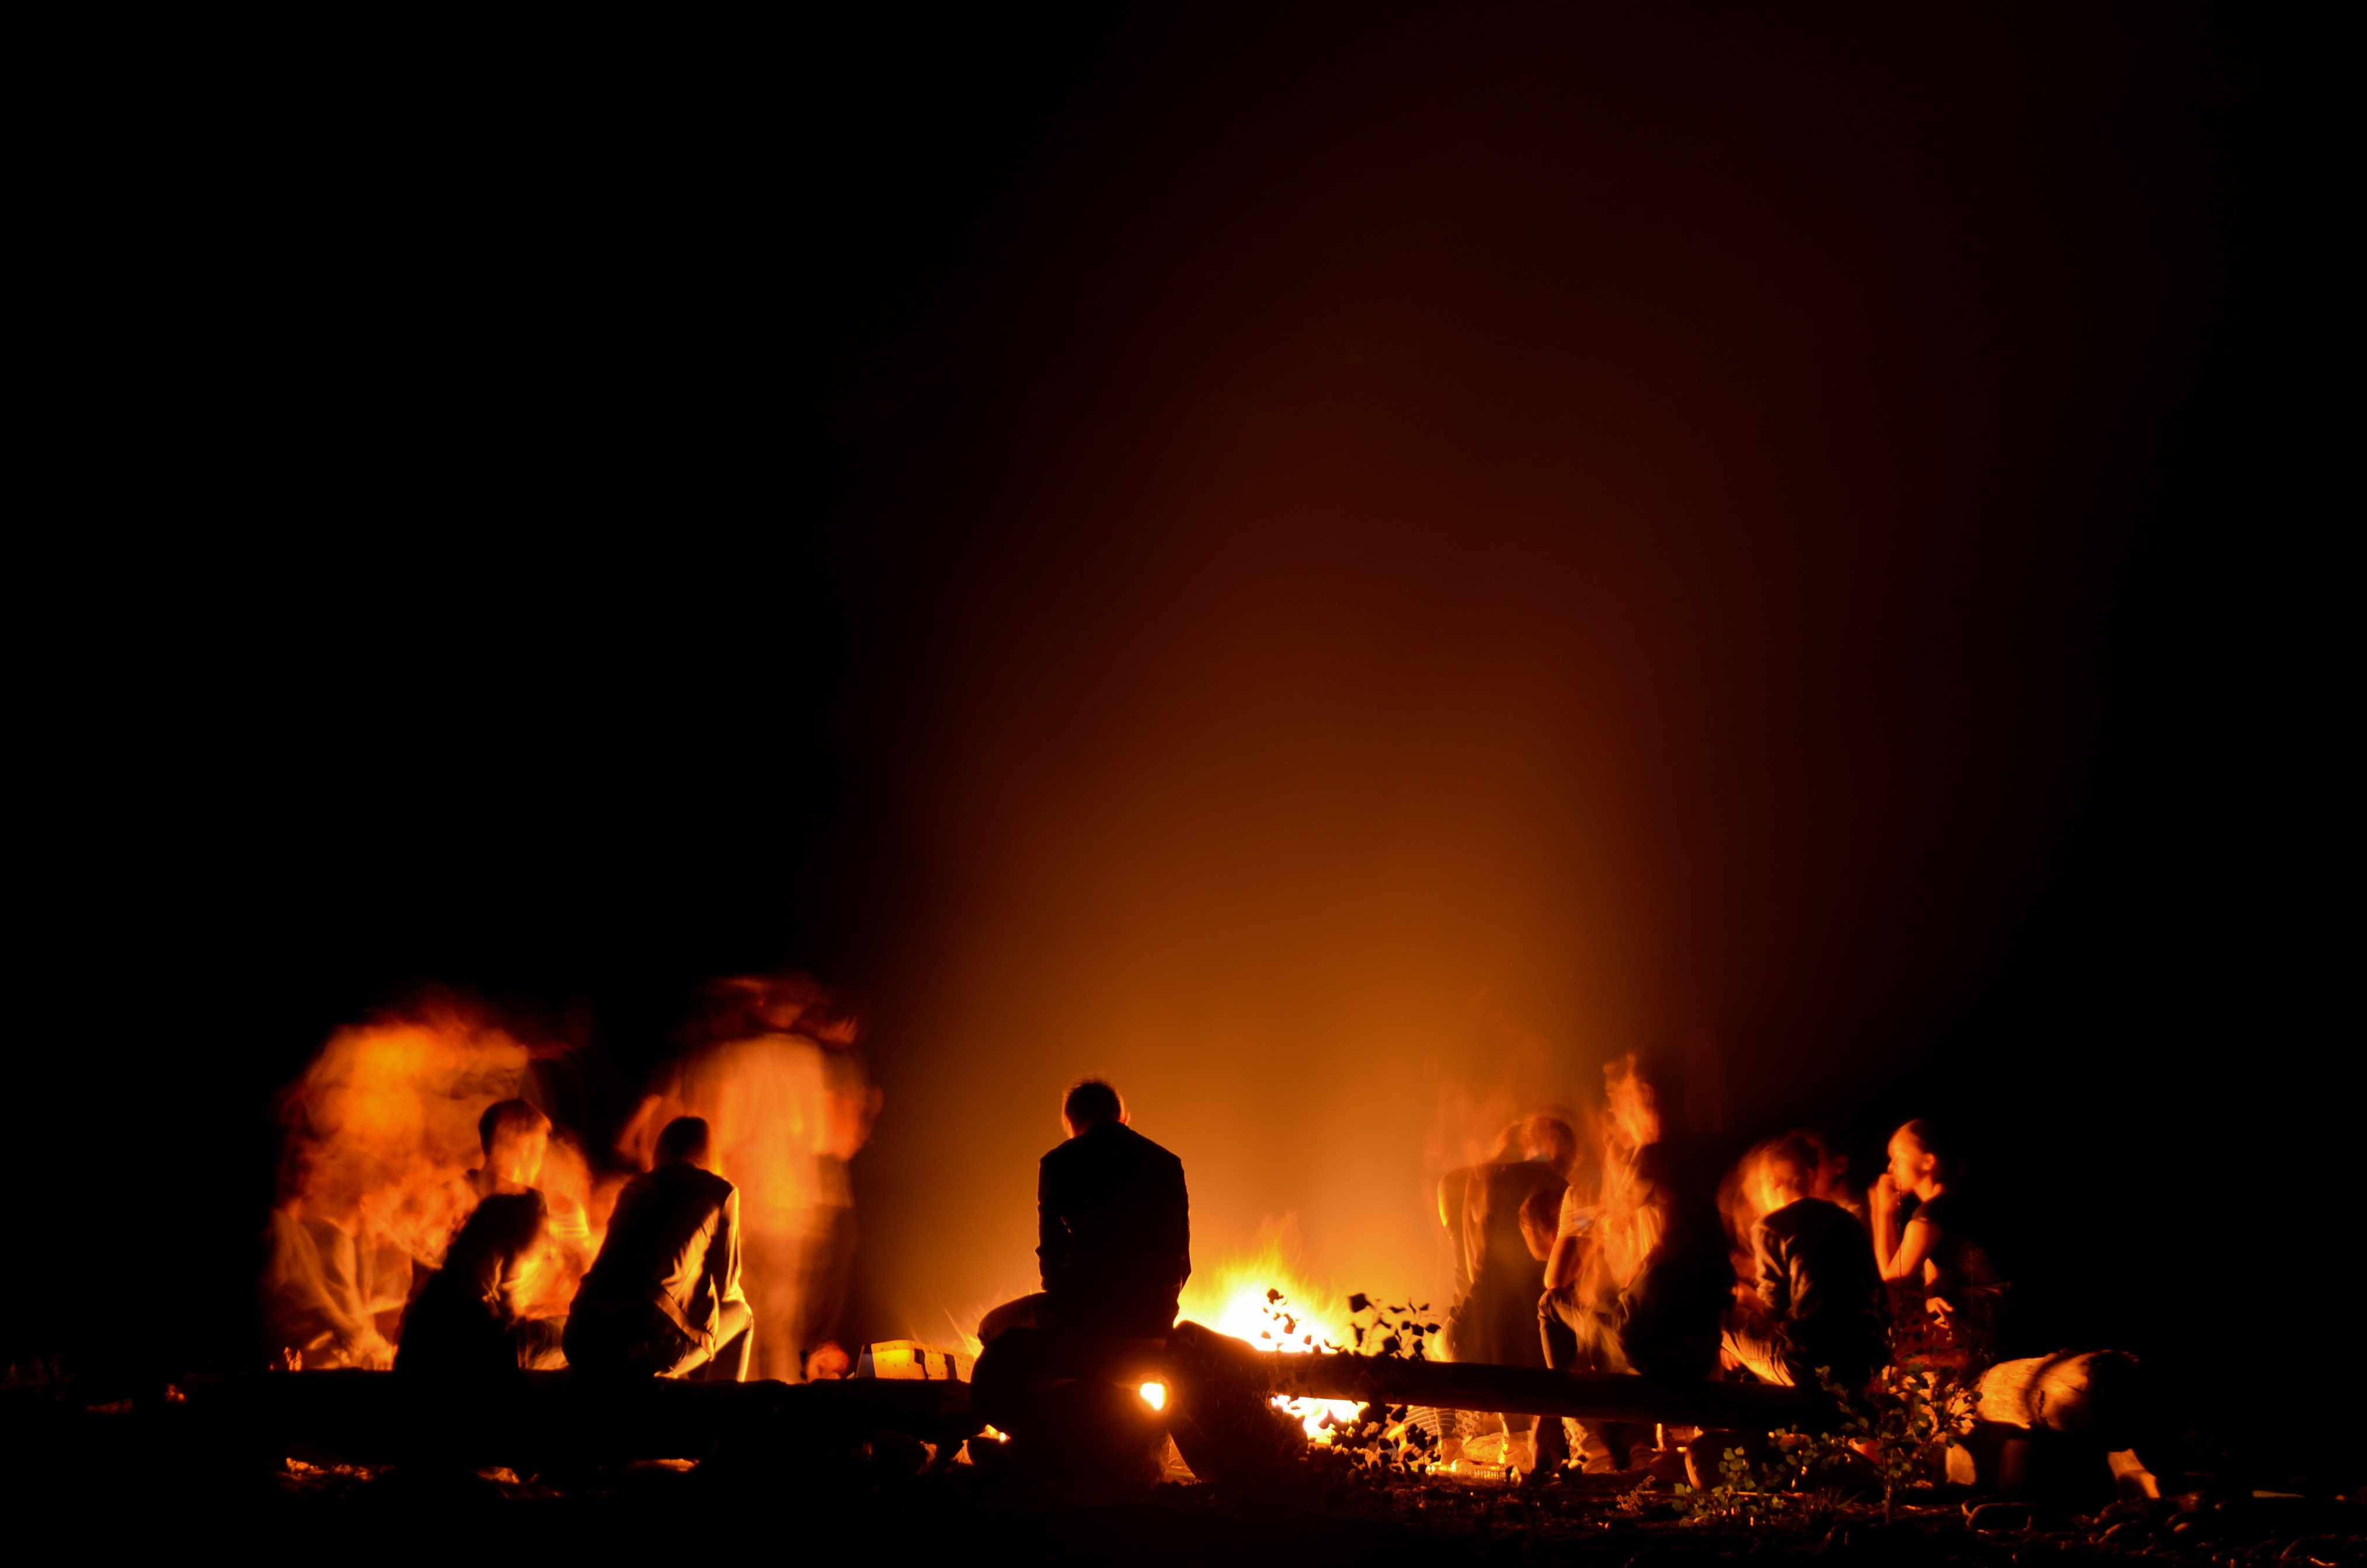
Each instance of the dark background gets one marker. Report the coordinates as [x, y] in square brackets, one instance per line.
[1336, 564]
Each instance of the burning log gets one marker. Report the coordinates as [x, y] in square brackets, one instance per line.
[1387, 1379]
[1225, 1387]
[1594, 1396]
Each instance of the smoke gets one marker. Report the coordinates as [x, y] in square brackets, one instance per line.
[1540, 537]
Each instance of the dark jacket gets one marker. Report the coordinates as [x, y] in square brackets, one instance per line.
[1115, 1232]
[1817, 1280]
[674, 1243]
[457, 1325]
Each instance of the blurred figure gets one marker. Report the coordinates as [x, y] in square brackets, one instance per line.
[469, 1321]
[1479, 1207]
[1541, 1221]
[376, 1135]
[515, 1138]
[1638, 1280]
[1818, 1299]
[771, 1064]
[319, 1292]
[1494, 1320]
[1927, 1253]
[1114, 1226]
[663, 1297]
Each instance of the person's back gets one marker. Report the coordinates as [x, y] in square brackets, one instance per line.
[1673, 1300]
[1497, 1322]
[1817, 1280]
[1115, 1231]
[666, 1224]
[665, 1293]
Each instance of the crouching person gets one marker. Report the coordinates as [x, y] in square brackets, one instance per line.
[1819, 1299]
[466, 1323]
[663, 1299]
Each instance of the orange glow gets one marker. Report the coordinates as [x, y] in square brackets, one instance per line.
[1264, 1302]
[1627, 1225]
[787, 1102]
[1154, 1395]
[380, 1139]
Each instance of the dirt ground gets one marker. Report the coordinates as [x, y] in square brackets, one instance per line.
[146, 1473]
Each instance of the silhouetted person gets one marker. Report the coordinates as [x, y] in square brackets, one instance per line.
[466, 1322]
[1638, 1284]
[664, 1297]
[1114, 1225]
[771, 1066]
[1819, 1299]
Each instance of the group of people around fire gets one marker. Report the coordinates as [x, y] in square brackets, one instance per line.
[686, 1273]
[1654, 1254]
[1664, 1256]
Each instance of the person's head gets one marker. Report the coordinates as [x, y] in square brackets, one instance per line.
[1787, 1171]
[1541, 1220]
[685, 1141]
[1089, 1103]
[1634, 1099]
[516, 1138]
[1553, 1141]
[1919, 1159]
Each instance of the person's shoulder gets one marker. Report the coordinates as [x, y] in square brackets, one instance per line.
[1937, 1212]
[1821, 1217]
[1146, 1149]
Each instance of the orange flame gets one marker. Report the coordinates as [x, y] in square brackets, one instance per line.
[1264, 1301]
[380, 1139]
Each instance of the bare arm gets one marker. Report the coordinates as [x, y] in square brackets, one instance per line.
[1561, 1264]
[1774, 1274]
[1906, 1262]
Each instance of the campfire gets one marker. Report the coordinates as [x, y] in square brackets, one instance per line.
[401, 1127]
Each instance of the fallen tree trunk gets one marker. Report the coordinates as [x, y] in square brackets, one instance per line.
[1379, 1380]
[1524, 1391]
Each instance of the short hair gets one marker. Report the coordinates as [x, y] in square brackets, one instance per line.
[1554, 1138]
[1090, 1100]
[684, 1138]
[1793, 1160]
[506, 1116]
[1541, 1213]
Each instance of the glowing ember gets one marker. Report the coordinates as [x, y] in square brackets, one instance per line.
[1264, 1302]
[1154, 1395]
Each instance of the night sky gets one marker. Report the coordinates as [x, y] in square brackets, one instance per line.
[1341, 567]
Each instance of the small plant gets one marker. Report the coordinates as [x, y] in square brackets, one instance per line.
[1903, 1422]
[1898, 1426]
[1753, 1494]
